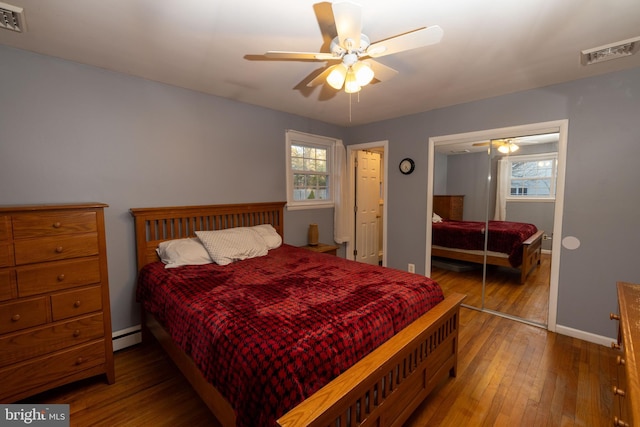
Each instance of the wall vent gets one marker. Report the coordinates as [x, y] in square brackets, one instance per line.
[12, 18]
[611, 51]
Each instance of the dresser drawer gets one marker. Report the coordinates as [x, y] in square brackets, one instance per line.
[5, 228]
[23, 314]
[7, 285]
[57, 276]
[50, 368]
[35, 342]
[76, 302]
[6, 254]
[55, 248]
[53, 224]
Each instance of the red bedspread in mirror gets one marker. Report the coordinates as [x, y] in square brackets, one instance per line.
[504, 236]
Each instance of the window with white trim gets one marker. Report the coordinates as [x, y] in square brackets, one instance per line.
[532, 176]
[309, 170]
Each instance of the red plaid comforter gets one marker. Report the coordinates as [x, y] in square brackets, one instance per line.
[267, 332]
[504, 236]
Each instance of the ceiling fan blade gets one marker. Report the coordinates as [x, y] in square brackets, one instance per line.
[412, 40]
[314, 56]
[348, 18]
[322, 77]
[380, 71]
[494, 142]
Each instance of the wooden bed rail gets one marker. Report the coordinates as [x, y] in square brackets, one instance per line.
[406, 367]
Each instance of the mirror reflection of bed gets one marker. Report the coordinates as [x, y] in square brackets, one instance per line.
[465, 189]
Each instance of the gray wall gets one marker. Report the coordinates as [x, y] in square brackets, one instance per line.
[73, 133]
[602, 202]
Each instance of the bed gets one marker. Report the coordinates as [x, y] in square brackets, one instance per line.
[383, 387]
[510, 244]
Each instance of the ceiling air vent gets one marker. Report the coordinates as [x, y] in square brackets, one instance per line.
[611, 51]
[12, 18]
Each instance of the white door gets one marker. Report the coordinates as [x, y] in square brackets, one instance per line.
[367, 207]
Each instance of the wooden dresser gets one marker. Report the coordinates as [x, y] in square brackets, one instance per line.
[627, 392]
[449, 207]
[55, 323]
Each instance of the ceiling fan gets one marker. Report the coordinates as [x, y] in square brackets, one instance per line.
[354, 50]
[502, 145]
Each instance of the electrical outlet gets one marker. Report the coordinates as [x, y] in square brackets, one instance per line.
[411, 268]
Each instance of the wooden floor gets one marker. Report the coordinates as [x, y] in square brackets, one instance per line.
[509, 374]
[503, 291]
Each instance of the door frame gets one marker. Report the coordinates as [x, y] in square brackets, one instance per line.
[351, 155]
[560, 126]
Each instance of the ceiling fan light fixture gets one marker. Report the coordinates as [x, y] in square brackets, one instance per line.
[363, 72]
[337, 76]
[351, 83]
[508, 148]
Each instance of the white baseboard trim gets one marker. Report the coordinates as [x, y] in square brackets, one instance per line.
[585, 336]
[126, 337]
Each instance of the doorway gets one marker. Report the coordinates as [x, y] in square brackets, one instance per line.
[367, 173]
[482, 205]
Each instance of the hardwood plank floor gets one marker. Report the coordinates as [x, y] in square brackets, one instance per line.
[509, 374]
[503, 292]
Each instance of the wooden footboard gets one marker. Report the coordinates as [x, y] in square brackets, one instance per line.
[531, 255]
[385, 387]
[382, 389]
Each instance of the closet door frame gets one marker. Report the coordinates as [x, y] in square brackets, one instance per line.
[560, 126]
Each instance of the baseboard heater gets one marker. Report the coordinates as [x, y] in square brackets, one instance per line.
[126, 337]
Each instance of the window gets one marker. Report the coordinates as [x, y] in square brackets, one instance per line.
[309, 170]
[533, 176]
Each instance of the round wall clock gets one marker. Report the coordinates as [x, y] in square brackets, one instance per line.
[407, 166]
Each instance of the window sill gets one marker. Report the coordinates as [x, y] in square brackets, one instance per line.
[302, 206]
[531, 199]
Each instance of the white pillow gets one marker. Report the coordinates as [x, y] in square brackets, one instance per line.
[269, 234]
[436, 218]
[233, 244]
[175, 253]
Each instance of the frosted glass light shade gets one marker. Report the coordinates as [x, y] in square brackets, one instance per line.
[337, 76]
[506, 148]
[351, 83]
[363, 72]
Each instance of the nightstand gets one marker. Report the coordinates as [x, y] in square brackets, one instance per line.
[321, 247]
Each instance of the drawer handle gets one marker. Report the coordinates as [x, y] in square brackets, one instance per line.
[615, 346]
[56, 225]
[76, 304]
[618, 391]
[15, 317]
[79, 361]
[620, 361]
[60, 277]
[619, 423]
[76, 333]
[614, 316]
[59, 249]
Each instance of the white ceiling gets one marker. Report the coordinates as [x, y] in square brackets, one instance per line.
[489, 48]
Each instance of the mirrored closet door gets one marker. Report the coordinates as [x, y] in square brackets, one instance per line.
[494, 208]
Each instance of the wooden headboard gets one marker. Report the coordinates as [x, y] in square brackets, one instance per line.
[155, 225]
